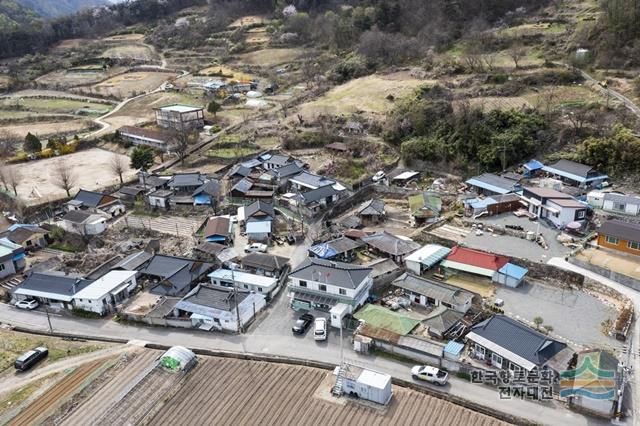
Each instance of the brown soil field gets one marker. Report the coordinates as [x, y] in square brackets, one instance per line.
[49, 128]
[249, 20]
[123, 86]
[501, 103]
[131, 51]
[91, 167]
[236, 74]
[71, 43]
[4, 80]
[55, 396]
[124, 37]
[270, 57]
[71, 79]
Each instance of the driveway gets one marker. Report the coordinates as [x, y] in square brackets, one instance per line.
[555, 306]
[514, 246]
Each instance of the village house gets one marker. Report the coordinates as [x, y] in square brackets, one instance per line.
[133, 262]
[160, 198]
[130, 194]
[30, 237]
[371, 212]
[427, 292]
[464, 261]
[219, 308]
[490, 184]
[425, 258]
[405, 178]
[306, 181]
[83, 223]
[53, 289]
[140, 136]
[104, 294]
[218, 229]
[391, 246]
[207, 194]
[620, 236]
[257, 219]
[336, 287]
[183, 118]
[337, 148]
[496, 204]
[424, 208]
[557, 207]
[12, 258]
[532, 168]
[316, 200]
[268, 265]
[276, 161]
[282, 174]
[442, 322]
[507, 344]
[186, 183]
[576, 174]
[342, 249]
[174, 276]
[96, 202]
[621, 204]
[152, 182]
[230, 278]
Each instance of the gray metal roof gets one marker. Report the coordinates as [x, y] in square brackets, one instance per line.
[436, 290]
[442, 318]
[279, 159]
[572, 167]
[211, 187]
[619, 229]
[77, 216]
[344, 244]
[186, 179]
[490, 181]
[620, 198]
[204, 298]
[288, 170]
[259, 206]
[391, 244]
[333, 273]
[318, 194]
[176, 274]
[210, 248]
[518, 339]
[268, 262]
[371, 208]
[239, 170]
[53, 283]
[134, 261]
[243, 185]
[313, 179]
[89, 198]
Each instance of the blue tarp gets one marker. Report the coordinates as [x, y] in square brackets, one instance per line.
[454, 348]
[533, 165]
[514, 271]
[201, 199]
[323, 251]
[215, 239]
[18, 256]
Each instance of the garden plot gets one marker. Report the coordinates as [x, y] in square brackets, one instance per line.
[126, 85]
[78, 77]
[47, 128]
[91, 168]
[271, 57]
[57, 106]
[491, 103]
[130, 51]
[367, 94]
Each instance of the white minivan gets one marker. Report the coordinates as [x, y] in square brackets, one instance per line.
[320, 329]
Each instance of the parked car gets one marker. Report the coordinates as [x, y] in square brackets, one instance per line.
[430, 374]
[31, 358]
[27, 304]
[378, 176]
[291, 240]
[302, 324]
[255, 247]
[320, 329]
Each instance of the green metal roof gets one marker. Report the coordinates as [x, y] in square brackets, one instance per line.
[380, 317]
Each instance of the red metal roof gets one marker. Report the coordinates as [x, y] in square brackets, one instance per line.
[477, 258]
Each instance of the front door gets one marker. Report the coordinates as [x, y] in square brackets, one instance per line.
[496, 360]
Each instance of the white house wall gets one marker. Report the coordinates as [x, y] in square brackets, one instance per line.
[630, 209]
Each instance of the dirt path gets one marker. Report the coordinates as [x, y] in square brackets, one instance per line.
[54, 396]
[12, 383]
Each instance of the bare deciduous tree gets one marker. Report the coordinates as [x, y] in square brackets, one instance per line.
[4, 176]
[9, 142]
[181, 141]
[13, 178]
[516, 53]
[64, 177]
[118, 166]
[490, 61]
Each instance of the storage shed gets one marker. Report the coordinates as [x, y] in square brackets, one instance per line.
[510, 275]
[363, 383]
[425, 258]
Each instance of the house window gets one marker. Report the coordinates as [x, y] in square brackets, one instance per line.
[260, 289]
[322, 287]
[619, 206]
[1, 266]
[612, 240]
[581, 214]
[447, 305]
[303, 283]
[343, 291]
[633, 245]
[246, 286]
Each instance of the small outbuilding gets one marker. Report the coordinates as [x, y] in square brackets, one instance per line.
[510, 275]
[363, 383]
[178, 358]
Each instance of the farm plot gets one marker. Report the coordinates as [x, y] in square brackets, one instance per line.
[139, 52]
[367, 94]
[4, 81]
[565, 96]
[490, 103]
[78, 77]
[125, 37]
[71, 43]
[125, 85]
[57, 105]
[249, 20]
[49, 128]
[173, 225]
[271, 57]
[225, 72]
[285, 394]
[91, 168]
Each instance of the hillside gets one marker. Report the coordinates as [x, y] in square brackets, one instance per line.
[55, 8]
[13, 14]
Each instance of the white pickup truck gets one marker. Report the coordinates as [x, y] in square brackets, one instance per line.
[430, 374]
[255, 247]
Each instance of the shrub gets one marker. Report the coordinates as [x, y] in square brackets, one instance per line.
[353, 66]
[499, 78]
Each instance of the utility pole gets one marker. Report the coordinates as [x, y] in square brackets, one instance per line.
[235, 298]
[46, 308]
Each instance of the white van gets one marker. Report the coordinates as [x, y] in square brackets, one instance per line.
[320, 329]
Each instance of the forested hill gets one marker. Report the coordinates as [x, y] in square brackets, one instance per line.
[13, 14]
[55, 8]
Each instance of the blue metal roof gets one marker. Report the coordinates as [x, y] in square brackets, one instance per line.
[323, 251]
[533, 165]
[515, 271]
[202, 199]
[454, 348]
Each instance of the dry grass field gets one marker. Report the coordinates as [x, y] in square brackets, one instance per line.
[491, 103]
[4, 80]
[49, 128]
[71, 43]
[366, 94]
[270, 57]
[124, 37]
[130, 51]
[66, 79]
[91, 169]
[249, 20]
[232, 73]
[125, 85]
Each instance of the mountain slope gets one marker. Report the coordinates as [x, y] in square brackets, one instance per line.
[54, 8]
[13, 14]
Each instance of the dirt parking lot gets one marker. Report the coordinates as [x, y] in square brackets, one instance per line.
[625, 265]
[91, 168]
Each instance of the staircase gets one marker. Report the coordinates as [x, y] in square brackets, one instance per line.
[336, 390]
[10, 283]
